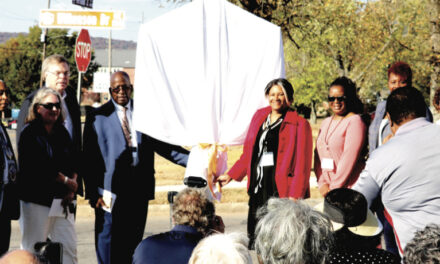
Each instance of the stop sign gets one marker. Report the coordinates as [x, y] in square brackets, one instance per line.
[83, 50]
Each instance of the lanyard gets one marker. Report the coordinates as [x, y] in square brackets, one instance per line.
[328, 135]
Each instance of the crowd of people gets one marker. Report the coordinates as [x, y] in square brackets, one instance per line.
[378, 176]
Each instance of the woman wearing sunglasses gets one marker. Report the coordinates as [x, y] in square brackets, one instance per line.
[47, 165]
[341, 139]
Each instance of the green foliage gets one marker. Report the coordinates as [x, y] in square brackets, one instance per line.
[21, 57]
[324, 39]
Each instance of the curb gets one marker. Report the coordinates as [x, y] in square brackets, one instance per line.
[85, 211]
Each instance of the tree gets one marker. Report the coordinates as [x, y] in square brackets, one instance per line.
[434, 13]
[357, 39]
[20, 61]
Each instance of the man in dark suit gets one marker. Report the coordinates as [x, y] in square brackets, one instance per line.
[9, 203]
[192, 212]
[120, 173]
[55, 73]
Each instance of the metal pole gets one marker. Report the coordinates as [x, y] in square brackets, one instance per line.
[44, 48]
[110, 52]
[78, 92]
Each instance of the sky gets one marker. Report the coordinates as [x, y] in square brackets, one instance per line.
[19, 15]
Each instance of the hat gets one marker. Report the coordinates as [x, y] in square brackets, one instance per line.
[349, 208]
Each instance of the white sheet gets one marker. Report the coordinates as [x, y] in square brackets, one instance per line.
[201, 71]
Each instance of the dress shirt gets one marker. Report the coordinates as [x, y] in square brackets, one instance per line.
[128, 113]
[404, 171]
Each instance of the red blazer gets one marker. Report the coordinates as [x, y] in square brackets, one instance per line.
[294, 159]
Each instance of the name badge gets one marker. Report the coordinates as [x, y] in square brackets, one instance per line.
[327, 164]
[266, 159]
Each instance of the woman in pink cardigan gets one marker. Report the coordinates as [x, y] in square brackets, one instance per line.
[277, 153]
[341, 139]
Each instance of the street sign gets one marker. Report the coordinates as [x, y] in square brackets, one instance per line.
[51, 18]
[83, 3]
[83, 50]
[101, 82]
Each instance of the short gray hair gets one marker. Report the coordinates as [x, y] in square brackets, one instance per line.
[193, 208]
[292, 232]
[424, 248]
[52, 59]
[222, 248]
[42, 93]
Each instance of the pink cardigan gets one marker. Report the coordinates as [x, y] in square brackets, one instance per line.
[343, 142]
[294, 158]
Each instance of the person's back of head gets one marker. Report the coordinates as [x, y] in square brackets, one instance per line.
[292, 232]
[424, 248]
[192, 208]
[19, 257]
[404, 104]
[222, 249]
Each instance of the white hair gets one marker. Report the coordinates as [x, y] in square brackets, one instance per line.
[291, 232]
[228, 248]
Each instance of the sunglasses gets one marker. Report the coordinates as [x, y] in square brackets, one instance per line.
[49, 106]
[118, 88]
[2, 92]
[339, 98]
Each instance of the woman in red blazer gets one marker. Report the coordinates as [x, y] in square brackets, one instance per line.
[277, 153]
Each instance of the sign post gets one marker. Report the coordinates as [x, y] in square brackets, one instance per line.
[83, 55]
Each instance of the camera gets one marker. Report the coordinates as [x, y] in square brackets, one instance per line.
[49, 252]
[194, 181]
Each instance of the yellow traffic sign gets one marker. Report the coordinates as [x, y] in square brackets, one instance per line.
[110, 19]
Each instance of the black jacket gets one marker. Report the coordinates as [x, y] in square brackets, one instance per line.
[40, 157]
[75, 115]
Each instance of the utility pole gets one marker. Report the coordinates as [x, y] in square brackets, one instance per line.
[110, 52]
[44, 40]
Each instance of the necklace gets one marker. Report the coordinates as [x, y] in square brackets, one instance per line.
[328, 135]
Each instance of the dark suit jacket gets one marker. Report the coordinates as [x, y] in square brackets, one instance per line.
[9, 205]
[109, 160]
[75, 115]
[373, 130]
[174, 247]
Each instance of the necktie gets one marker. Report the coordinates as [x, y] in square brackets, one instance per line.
[125, 126]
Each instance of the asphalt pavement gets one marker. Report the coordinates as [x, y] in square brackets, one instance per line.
[158, 221]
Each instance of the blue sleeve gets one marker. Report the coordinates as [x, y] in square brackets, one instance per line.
[138, 256]
[173, 153]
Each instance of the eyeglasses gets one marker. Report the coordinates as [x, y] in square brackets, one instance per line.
[118, 88]
[58, 73]
[339, 98]
[49, 106]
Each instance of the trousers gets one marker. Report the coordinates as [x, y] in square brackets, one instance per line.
[36, 226]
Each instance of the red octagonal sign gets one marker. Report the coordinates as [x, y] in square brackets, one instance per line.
[83, 50]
